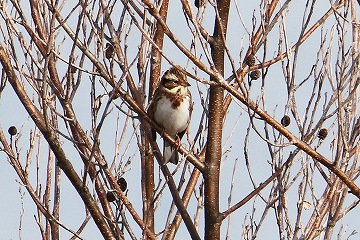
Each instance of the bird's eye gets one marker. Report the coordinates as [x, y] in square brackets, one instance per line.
[171, 84]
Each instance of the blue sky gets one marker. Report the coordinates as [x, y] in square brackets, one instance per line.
[236, 124]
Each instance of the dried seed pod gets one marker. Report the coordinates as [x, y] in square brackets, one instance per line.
[199, 3]
[285, 120]
[109, 51]
[322, 133]
[111, 196]
[122, 184]
[255, 74]
[250, 60]
[12, 130]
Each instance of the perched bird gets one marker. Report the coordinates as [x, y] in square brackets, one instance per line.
[171, 108]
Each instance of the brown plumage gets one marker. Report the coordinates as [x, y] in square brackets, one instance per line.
[171, 108]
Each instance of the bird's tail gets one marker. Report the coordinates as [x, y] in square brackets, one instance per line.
[170, 154]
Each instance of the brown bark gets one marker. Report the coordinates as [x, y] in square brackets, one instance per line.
[214, 139]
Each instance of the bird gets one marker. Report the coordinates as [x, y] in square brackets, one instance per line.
[171, 107]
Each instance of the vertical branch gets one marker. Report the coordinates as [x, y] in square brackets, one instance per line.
[214, 141]
[56, 207]
[148, 184]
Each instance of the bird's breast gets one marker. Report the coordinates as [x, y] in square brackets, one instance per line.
[173, 116]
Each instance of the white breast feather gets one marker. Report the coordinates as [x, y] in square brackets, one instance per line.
[174, 121]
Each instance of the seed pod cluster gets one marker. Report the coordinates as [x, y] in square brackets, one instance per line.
[250, 60]
[199, 3]
[12, 130]
[122, 184]
[254, 75]
[109, 51]
[322, 133]
[111, 196]
[285, 120]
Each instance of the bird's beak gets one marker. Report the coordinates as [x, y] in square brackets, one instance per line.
[186, 84]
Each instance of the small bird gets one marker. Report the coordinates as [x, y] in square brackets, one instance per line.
[171, 108]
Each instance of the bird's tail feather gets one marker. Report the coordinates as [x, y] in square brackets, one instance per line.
[170, 154]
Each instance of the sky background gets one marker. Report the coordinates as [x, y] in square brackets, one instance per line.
[72, 212]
